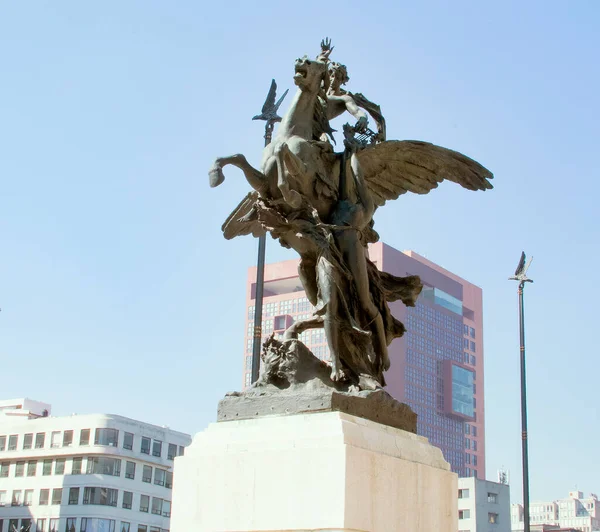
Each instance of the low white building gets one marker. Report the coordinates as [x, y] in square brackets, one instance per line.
[575, 511]
[84, 473]
[483, 506]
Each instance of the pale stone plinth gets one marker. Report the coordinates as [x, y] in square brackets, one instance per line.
[325, 471]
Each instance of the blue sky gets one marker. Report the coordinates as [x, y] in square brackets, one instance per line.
[118, 292]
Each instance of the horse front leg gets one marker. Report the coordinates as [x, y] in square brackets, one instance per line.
[284, 172]
[256, 179]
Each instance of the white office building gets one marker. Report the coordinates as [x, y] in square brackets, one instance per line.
[575, 511]
[84, 473]
[483, 506]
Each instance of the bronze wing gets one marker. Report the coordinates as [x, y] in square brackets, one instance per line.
[399, 166]
[244, 219]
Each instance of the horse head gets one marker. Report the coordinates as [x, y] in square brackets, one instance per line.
[310, 74]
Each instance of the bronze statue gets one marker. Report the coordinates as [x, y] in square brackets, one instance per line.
[321, 204]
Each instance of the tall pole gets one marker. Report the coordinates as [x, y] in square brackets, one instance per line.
[525, 451]
[269, 113]
[521, 276]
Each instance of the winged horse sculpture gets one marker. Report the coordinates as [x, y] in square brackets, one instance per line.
[321, 204]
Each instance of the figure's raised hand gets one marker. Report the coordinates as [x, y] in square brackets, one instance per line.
[361, 125]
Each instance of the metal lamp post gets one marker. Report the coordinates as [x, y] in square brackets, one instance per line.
[521, 277]
[269, 114]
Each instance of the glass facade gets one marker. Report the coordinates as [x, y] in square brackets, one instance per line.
[462, 391]
[441, 298]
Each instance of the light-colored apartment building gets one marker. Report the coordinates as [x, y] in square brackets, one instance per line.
[84, 473]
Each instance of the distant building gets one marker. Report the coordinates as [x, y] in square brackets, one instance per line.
[483, 506]
[437, 366]
[574, 512]
[84, 473]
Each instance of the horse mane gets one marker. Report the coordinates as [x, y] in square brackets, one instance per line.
[320, 121]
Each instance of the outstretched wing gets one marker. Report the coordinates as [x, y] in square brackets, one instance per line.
[243, 220]
[270, 101]
[399, 166]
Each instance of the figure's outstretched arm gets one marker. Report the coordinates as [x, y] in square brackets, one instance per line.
[339, 104]
[358, 113]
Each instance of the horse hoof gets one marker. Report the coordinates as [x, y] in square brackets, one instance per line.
[215, 176]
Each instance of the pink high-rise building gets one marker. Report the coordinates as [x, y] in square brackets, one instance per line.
[437, 366]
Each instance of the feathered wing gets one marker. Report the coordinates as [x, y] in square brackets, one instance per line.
[395, 167]
[243, 220]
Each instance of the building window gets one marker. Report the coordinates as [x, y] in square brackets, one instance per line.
[40, 440]
[142, 528]
[55, 439]
[53, 525]
[464, 514]
[40, 525]
[475, 460]
[471, 332]
[125, 526]
[2, 443]
[492, 498]
[57, 496]
[128, 441]
[166, 508]
[73, 495]
[100, 496]
[27, 441]
[106, 437]
[20, 469]
[2, 498]
[144, 503]
[474, 446]
[16, 498]
[71, 524]
[127, 499]
[101, 465]
[76, 467]
[157, 448]
[84, 437]
[181, 450]
[169, 480]
[27, 497]
[130, 470]
[12, 442]
[47, 467]
[4, 468]
[247, 379]
[157, 505]
[59, 466]
[31, 468]
[44, 497]
[463, 494]
[145, 448]
[172, 451]
[13, 524]
[94, 525]
[160, 476]
[472, 346]
[493, 518]
[147, 474]
[67, 438]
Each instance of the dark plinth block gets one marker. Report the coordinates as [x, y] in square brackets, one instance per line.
[377, 406]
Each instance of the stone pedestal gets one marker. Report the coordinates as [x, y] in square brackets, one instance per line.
[321, 472]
